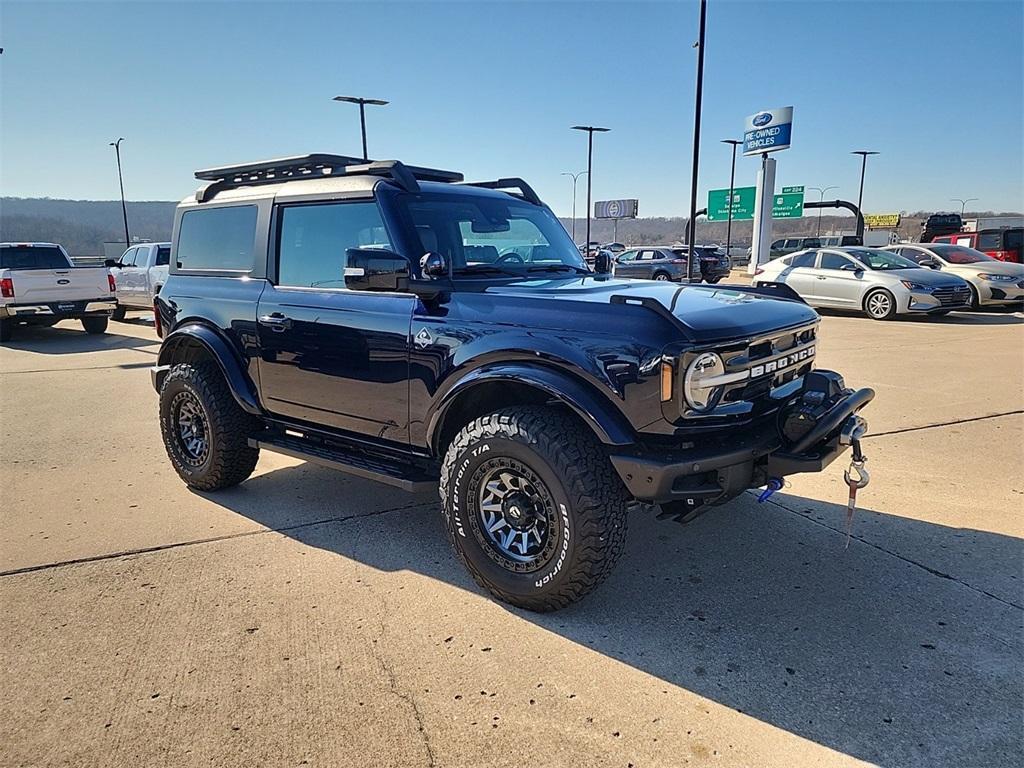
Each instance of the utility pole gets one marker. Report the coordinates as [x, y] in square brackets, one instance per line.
[732, 184]
[120, 180]
[691, 254]
[575, 176]
[591, 130]
[863, 166]
[362, 114]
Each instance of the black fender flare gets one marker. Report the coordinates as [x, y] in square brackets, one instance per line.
[609, 425]
[220, 350]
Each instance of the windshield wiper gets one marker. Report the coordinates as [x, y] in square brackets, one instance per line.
[480, 269]
[559, 268]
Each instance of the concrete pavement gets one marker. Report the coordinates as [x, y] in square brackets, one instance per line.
[310, 618]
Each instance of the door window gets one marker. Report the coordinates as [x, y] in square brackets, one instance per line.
[805, 259]
[163, 256]
[128, 259]
[834, 261]
[648, 255]
[314, 240]
[792, 244]
[628, 256]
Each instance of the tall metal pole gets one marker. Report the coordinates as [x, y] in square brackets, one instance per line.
[821, 198]
[591, 130]
[120, 180]
[575, 176]
[696, 142]
[362, 127]
[863, 166]
[963, 203]
[362, 114]
[732, 184]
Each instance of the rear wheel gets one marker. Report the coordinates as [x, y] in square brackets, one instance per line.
[119, 314]
[94, 325]
[533, 507]
[205, 432]
[880, 305]
[661, 276]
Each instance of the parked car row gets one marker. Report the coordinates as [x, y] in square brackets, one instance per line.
[885, 282]
[671, 263]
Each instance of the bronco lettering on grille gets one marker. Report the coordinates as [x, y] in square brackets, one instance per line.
[773, 366]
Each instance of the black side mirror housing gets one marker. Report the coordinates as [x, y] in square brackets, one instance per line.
[111, 263]
[433, 265]
[375, 269]
[602, 263]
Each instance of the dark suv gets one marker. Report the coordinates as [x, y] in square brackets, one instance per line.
[399, 324]
[669, 262]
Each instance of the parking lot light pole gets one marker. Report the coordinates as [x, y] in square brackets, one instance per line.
[575, 176]
[362, 113]
[120, 180]
[963, 203]
[821, 198]
[696, 142]
[732, 183]
[591, 130]
[863, 166]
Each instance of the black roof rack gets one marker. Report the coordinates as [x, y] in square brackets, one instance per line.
[316, 166]
[510, 183]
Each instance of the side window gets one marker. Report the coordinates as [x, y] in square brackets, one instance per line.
[913, 254]
[627, 256]
[314, 240]
[128, 259]
[218, 238]
[804, 259]
[778, 244]
[833, 261]
[647, 255]
[163, 256]
[792, 244]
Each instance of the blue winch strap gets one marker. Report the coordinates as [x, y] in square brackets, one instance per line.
[774, 484]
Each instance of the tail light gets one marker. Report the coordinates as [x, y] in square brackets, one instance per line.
[677, 261]
[7, 288]
[110, 283]
[156, 319]
[1001, 255]
[758, 271]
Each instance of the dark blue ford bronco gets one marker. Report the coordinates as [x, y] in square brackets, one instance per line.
[400, 324]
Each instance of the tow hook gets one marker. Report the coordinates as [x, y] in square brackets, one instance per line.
[857, 475]
[774, 484]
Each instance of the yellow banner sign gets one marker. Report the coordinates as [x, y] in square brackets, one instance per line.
[882, 220]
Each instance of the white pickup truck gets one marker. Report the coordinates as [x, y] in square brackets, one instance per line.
[39, 285]
[139, 274]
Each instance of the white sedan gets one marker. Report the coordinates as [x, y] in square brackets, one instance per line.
[992, 282]
[879, 283]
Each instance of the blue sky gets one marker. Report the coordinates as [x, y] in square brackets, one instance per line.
[491, 88]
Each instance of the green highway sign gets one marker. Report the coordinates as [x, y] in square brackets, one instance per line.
[788, 190]
[742, 204]
[788, 205]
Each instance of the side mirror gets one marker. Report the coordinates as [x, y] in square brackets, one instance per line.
[931, 264]
[848, 268]
[602, 263]
[111, 263]
[433, 265]
[375, 269]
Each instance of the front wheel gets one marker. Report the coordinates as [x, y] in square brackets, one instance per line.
[533, 507]
[95, 325]
[661, 276]
[205, 432]
[880, 305]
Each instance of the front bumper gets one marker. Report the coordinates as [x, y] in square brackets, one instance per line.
[1001, 292]
[939, 301]
[60, 309]
[720, 469]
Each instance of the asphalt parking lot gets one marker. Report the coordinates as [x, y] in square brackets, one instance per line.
[307, 618]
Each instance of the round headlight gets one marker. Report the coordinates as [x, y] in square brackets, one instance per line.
[700, 394]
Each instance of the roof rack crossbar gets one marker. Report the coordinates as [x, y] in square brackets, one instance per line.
[509, 183]
[315, 166]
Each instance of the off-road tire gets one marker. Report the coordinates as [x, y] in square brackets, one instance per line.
[230, 459]
[95, 325]
[892, 304]
[118, 315]
[6, 329]
[590, 500]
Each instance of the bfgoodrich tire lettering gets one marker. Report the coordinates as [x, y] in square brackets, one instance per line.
[586, 516]
[217, 455]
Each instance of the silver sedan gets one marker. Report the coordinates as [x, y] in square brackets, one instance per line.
[879, 283]
[992, 282]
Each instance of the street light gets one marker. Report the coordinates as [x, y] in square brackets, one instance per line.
[120, 180]
[575, 176]
[698, 97]
[863, 165]
[821, 198]
[963, 203]
[591, 130]
[362, 113]
[732, 182]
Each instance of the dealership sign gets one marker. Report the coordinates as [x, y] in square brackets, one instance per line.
[615, 209]
[881, 220]
[768, 131]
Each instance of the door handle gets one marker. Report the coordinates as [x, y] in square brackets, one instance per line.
[822, 278]
[276, 321]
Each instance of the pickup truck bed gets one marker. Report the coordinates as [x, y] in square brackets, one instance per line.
[40, 286]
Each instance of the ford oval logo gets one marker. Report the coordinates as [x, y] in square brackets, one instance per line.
[63, 282]
[762, 119]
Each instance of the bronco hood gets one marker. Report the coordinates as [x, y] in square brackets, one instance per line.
[705, 312]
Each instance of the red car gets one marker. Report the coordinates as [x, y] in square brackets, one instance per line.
[1002, 244]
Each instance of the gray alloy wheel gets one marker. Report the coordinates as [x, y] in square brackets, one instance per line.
[880, 305]
[661, 276]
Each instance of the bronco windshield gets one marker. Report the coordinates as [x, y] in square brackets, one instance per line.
[493, 237]
[880, 260]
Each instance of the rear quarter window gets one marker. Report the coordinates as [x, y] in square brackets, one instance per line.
[217, 238]
[990, 241]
